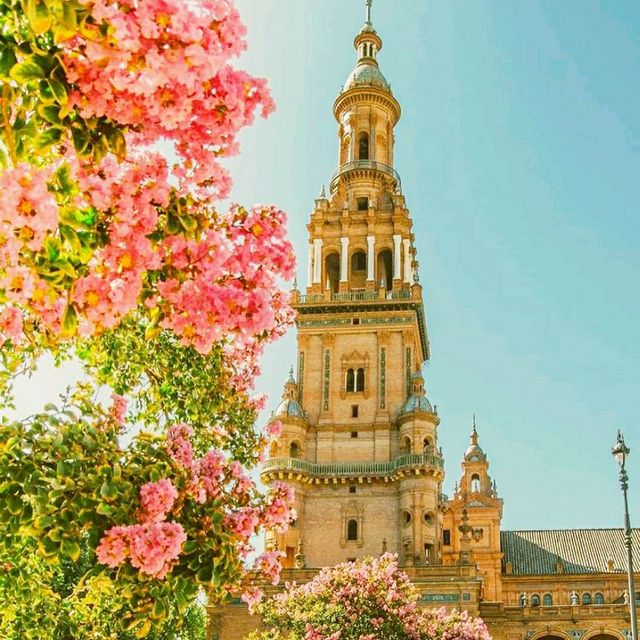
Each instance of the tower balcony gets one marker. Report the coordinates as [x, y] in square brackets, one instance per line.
[355, 296]
[364, 168]
[317, 473]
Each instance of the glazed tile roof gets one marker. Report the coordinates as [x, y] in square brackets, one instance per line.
[579, 550]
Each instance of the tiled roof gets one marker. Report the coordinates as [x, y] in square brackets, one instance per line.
[579, 550]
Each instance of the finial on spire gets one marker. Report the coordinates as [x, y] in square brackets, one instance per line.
[291, 378]
[368, 4]
[474, 432]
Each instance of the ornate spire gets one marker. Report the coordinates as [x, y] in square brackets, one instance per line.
[474, 432]
[368, 4]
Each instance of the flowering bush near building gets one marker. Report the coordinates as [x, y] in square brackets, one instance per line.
[366, 600]
[114, 254]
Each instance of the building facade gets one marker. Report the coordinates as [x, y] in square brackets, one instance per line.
[360, 437]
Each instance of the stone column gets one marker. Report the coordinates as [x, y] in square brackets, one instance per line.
[344, 260]
[371, 243]
[408, 275]
[310, 267]
[317, 260]
[396, 257]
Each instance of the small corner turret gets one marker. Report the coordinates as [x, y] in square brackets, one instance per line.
[476, 509]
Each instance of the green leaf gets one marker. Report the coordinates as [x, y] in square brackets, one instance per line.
[58, 90]
[205, 574]
[38, 15]
[48, 112]
[72, 549]
[117, 144]
[143, 630]
[69, 321]
[52, 247]
[26, 71]
[109, 491]
[104, 509]
[7, 60]
[48, 137]
[159, 610]
[81, 141]
[189, 222]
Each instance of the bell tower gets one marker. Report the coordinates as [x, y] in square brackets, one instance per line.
[365, 464]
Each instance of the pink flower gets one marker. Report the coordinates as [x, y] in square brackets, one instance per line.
[113, 549]
[118, 408]
[155, 546]
[179, 446]
[269, 565]
[156, 500]
[252, 596]
[11, 325]
[274, 429]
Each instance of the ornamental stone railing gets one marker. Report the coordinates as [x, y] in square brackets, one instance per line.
[355, 296]
[353, 469]
[365, 165]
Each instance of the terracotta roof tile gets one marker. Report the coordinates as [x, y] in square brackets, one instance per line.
[579, 550]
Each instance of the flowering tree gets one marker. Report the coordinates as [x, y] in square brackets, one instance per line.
[113, 253]
[366, 600]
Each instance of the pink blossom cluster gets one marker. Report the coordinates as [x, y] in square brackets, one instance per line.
[152, 547]
[29, 212]
[156, 500]
[163, 70]
[225, 281]
[118, 408]
[367, 600]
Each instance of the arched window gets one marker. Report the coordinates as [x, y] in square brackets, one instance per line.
[547, 600]
[273, 450]
[586, 598]
[598, 598]
[475, 483]
[294, 450]
[332, 272]
[360, 380]
[363, 146]
[351, 380]
[406, 444]
[352, 530]
[385, 270]
[426, 445]
[535, 600]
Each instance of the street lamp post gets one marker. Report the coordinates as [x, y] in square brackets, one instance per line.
[620, 453]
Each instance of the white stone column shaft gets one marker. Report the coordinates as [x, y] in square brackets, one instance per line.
[344, 260]
[371, 244]
[310, 266]
[407, 260]
[396, 257]
[317, 260]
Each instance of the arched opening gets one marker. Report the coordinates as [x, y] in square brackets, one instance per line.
[385, 270]
[363, 146]
[547, 600]
[427, 447]
[360, 380]
[344, 149]
[294, 450]
[475, 483]
[598, 598]
[535, 600]
[273, 450]
[405, 446]
[332, 272]
[352, 530]
[586, 598]
[350, 383]
[358, 270]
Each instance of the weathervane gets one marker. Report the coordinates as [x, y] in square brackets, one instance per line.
[368, 3]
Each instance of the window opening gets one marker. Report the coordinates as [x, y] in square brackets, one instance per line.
[475, 483]
[351, 380]
[363, 146]
[446, 537]
[354, 410]
[354, 434]
[547, 600]
[352, 489]
[362, 204]
[294, 450]
[535, 600]
[352, 530]
[360, 380]
[598, 599]
[586, 598]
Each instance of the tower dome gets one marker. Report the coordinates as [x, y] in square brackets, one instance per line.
[474, 451]
[417, 401]
[289, 407]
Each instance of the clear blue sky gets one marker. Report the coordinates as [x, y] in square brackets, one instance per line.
[519, 151]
